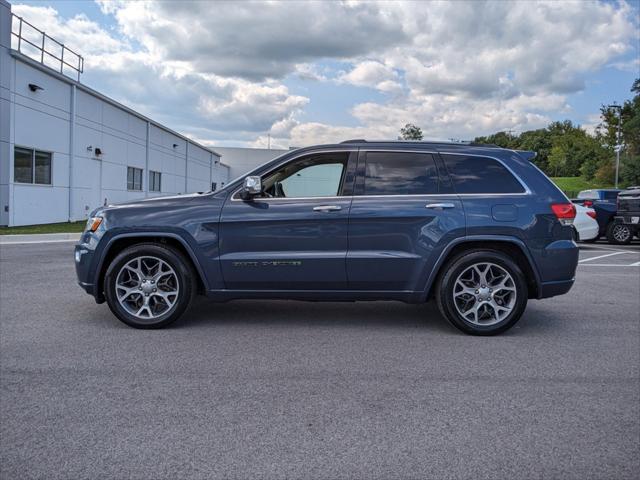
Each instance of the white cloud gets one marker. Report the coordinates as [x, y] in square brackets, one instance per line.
[174, 93]
[632, 65]
[457, 69]
[372, 74]
[256, 40]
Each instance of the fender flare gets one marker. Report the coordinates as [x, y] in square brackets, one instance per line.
[435, 271]
[156, 234]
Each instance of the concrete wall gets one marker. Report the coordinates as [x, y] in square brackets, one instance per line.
[5, 109]
[71, 120]
[243, 160]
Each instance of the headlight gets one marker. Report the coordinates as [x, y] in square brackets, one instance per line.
[93, 223]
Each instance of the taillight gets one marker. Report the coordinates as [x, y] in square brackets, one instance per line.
[587, 203]
[592, 213]
[565, 212]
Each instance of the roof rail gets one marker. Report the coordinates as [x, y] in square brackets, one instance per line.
[527, 154]
[428, 142]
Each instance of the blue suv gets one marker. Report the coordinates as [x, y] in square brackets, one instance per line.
[477, 228]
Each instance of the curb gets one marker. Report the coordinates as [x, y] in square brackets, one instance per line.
[39, 238]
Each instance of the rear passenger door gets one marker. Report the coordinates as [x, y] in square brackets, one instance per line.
[403, 213]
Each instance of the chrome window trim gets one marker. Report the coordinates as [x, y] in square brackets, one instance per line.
[527, 190]
[395, 150]
[295, 157]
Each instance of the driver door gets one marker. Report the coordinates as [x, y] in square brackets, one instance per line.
[294, 235]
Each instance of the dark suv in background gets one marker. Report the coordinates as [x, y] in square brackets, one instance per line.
[479, 229]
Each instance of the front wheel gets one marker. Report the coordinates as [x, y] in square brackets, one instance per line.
[149, 285]
[482, 292]
[619, 234]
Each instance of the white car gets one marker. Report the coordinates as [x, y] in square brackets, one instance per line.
[585, 223]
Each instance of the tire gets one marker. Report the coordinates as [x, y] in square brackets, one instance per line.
[161, 296]
[619, 234]
[510, 303]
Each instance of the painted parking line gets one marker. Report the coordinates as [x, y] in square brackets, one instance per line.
[637, 264]
[23, 242]
[601, 256]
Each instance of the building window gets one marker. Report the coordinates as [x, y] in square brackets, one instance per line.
[134, 178]
[154, 181]
[31, 166]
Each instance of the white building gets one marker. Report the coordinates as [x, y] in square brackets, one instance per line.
[66, 149]
[242, 160]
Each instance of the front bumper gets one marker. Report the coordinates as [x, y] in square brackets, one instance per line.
[84, 256]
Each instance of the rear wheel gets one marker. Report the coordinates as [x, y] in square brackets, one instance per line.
[149, 285]
[482, 292]
[619, 234]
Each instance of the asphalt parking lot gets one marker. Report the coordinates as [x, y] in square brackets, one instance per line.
[276, 389]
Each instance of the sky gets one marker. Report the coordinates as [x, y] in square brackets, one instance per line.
[300, 73]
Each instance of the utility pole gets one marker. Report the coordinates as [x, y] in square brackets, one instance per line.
[618, 144]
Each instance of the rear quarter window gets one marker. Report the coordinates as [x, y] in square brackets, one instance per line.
[471, 174]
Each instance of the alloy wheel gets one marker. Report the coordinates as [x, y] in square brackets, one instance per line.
[147, 287]
[621, 233]
[484, 294]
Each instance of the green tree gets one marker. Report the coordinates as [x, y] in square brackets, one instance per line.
[629, 114]
[411, 132]
[538, 141]
[630, 170]
[501, 139]
[557, 161]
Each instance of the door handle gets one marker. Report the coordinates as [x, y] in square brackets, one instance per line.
[440, 205]
[327, 208]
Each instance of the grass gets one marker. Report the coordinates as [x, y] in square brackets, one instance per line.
[66, 227]
[572, 185]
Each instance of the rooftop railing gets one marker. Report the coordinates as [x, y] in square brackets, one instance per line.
[36, 44]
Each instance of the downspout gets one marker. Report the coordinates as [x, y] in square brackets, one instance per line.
[186, 166]
[210, 170]
[72, 134]
[145, 181]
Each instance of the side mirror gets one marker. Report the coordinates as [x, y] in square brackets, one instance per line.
[252, 186]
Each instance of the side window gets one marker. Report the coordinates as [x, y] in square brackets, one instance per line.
[319, 175]
[155, 181]
[31, 166]
[480, 175]
[400, 173]
[134, 178]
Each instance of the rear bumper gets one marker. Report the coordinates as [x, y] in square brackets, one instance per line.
[551, 289]
[588, 231]
[632, 221]
[557, 264]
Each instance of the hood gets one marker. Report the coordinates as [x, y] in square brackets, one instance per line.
[165, 202]
[170, 199]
